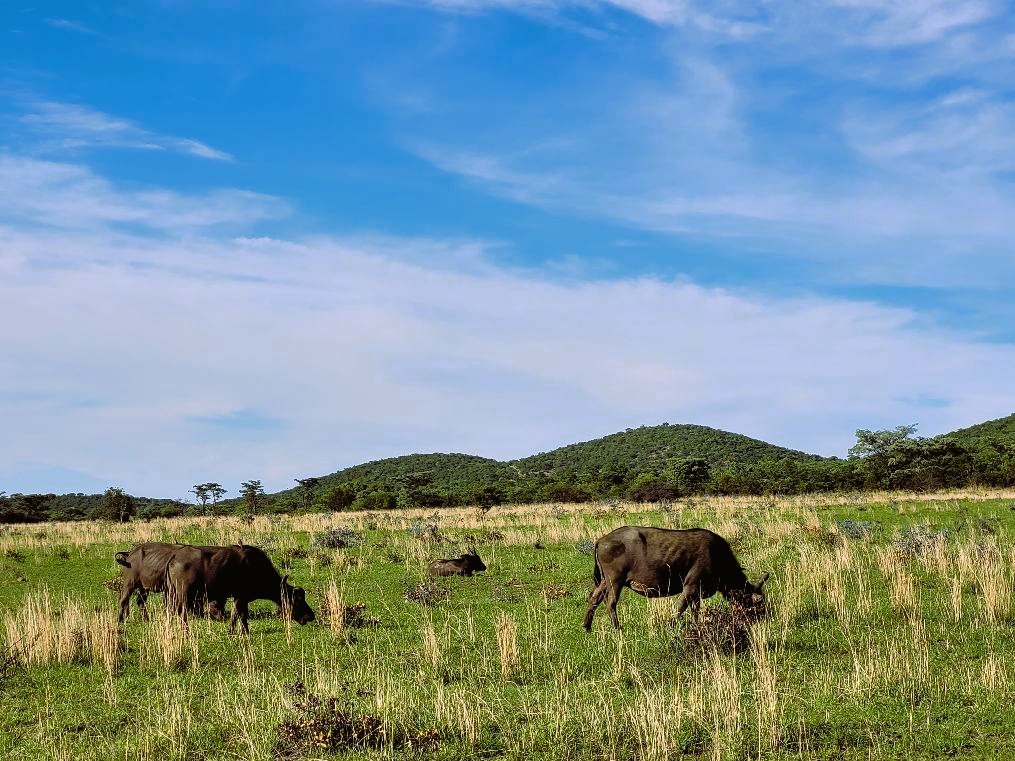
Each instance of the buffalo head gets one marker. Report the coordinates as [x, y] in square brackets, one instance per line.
[294, 603]
[472, 561]
[750, 599]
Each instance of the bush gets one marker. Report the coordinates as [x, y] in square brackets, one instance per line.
[427, 529]
[919, 540]
[651, 488]
[337, 539]
[428, 593]
[378, 500]
[326, 724]
[338, 498]
[852, 529]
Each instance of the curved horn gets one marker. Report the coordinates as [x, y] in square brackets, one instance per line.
[285, 579]
[761, 583]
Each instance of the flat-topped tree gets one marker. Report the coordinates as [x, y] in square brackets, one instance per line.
[251, 491]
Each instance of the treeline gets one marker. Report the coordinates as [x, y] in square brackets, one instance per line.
[114, 504]
[902, 464]
[645, 464]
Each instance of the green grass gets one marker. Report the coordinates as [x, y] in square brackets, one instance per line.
[869, 652]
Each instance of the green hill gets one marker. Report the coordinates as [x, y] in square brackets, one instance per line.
[992, 432]
[646, 463]
[647, 450]
[604, 467]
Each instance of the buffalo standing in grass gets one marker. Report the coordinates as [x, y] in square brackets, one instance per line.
[656, 562]
[242, 572]
[145, 571]
[465, 565]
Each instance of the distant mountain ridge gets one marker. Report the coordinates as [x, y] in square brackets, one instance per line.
[648, 463]
[644, 447]
[1001, 430]
[567, 472]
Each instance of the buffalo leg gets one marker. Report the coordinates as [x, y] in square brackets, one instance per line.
[128, 590]
[142, 597]
[613, 596]
[240, 611]
[595, 599]
[691, 596]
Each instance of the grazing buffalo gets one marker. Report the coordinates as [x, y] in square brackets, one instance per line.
[242, 572]
[145, 572]
[465, 565]
[656, 562]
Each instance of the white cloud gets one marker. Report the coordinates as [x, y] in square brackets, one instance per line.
[895, 23]
[71, 126]
[872, 23]
[362, 348]
[69, 195]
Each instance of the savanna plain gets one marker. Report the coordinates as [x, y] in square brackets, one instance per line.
[889, 634]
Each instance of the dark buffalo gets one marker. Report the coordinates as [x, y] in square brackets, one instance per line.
[465, 565]
[657, 562]
[242, 572]
[145, 572]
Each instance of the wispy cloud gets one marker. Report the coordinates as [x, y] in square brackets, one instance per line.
[71, 26]
[71, 126]
[366, 349]
[65, 195]
[744, 144]
[873, 23]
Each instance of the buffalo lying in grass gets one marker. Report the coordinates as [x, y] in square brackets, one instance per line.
[656, 562]
[465, 565]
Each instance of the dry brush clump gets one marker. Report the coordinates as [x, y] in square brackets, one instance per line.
[44, 630]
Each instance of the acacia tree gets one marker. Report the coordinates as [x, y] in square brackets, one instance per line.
[216, 491]
[201, 492]
[308, 488]
[251, 491]
[874, 450]
[117, 505]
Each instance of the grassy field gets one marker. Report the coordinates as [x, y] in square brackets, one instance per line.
[890, 635]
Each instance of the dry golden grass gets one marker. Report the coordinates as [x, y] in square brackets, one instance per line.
[465, 666]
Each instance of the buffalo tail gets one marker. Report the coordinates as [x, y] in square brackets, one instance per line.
[121, 558]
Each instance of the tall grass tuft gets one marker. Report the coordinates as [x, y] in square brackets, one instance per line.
[507, 646]
[43, 631]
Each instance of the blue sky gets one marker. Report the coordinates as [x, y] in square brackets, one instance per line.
[272, 240]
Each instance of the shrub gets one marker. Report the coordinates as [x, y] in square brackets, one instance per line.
[919, 540]
[379, 500]
[852, 529]
[726, 629]
[338, 539]
[326, 724]
[426, 529]
[428, 593]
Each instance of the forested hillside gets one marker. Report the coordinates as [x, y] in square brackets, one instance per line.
[649, 463]
[993, 433]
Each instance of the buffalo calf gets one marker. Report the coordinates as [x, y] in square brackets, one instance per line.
[465, 565]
